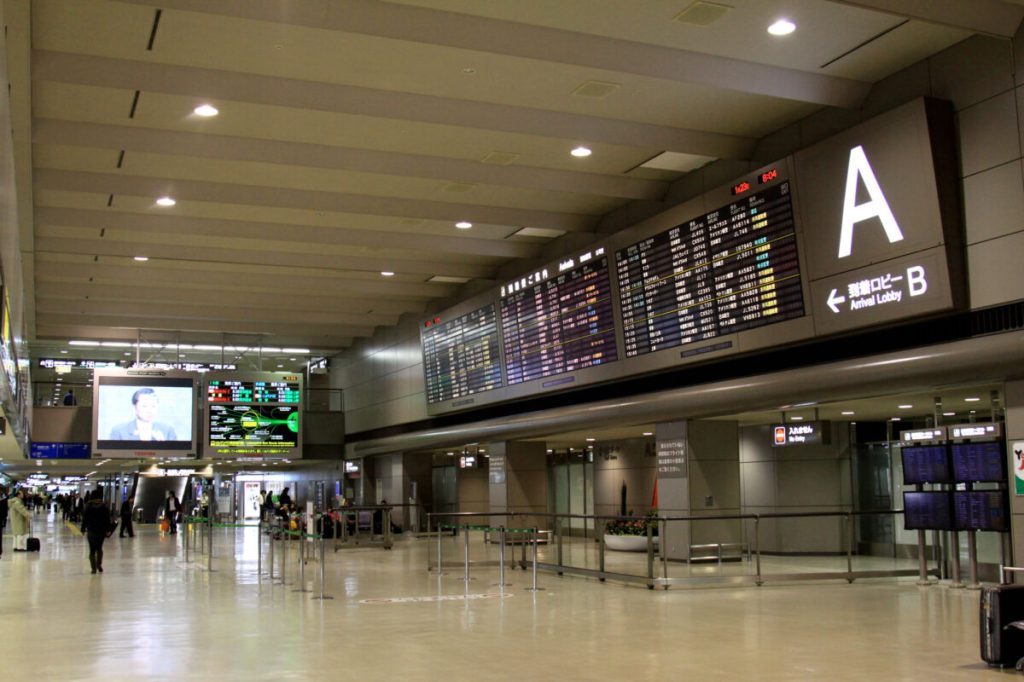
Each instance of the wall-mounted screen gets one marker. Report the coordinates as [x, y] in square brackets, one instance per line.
[979, 462]
[732, 269]
[560, 324]
[256, 414]
[461, 356]
[138, 413]
[981, 510]
[926, 464]
[932, 510]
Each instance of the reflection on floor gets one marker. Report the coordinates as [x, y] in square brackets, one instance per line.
[151, 616]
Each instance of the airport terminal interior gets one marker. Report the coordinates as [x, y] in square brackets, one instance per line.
[575, 339]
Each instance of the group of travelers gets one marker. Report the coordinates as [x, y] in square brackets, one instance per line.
[275, 505]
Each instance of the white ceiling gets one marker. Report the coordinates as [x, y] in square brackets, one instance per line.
[353, 134]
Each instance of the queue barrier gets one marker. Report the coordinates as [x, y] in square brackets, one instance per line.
[354, 526]
[526, 535]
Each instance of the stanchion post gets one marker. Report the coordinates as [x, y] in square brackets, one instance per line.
[535, 532]
[600, 552]
[271, 557]
[284, 556]
[922, 560]
[302, 568]
[465, 534]
[972, 558]
[259, 551]
[663, 548]
[322, 572]
[757, 551]
[650, 555]
[209, 544]
[558, 526]
[439, 564]
[184, 540]
[501, 559]
[849, 548]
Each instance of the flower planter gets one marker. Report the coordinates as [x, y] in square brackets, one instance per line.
[627, 543]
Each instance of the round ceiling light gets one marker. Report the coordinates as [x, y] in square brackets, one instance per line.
[206, 110]
[581, 152]
[165, 201]
[782, 27]
[463, 225]
[387, 273]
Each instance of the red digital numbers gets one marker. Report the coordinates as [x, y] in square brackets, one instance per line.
[431, 323]
[740, 188]
[768, 177]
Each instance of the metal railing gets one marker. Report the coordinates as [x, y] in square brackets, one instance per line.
[656, 553]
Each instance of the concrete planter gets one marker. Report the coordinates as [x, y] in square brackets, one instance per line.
[627, 543]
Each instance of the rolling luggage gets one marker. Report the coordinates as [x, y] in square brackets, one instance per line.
[32, 545]
[1001, 643]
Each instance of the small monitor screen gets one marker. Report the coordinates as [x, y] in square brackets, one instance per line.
[142, 413]
[979, 462]
[930, 510]
[981, 510]
[926, 464]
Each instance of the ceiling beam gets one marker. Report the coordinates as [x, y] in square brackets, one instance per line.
[265, 256]
[992, 17]
[232, 148]
[281, 197]
[310, 331]
[79, 69]
[217, 277]
[529, 41]
[451, 247]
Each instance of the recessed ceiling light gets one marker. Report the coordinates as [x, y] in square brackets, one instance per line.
[895, 419]
[974, 411]
[469, 71]
[280, 366]
[782, 27]
[949, 414]
[142, 259]
[971, 400]
[648, 433]
[581, 152]
[205, 110]
[165, 201]
[905, 407]
[848, 413]
[591, 440]
[64, 351]
[463, 225]
[797, 419]
[386, 273]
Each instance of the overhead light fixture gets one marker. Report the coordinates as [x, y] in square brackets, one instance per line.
[648, 433]
[847, 413]
[142, 259]
[971, 400]
[280, 366]
[165, 201]
[387, 273]
[949, 414]
[581, 152]
[591, 440]
[782, 27]
[206, 110]
[895, 419]
[796, 419]
[463, 225]
[64, 351]
[905, 407]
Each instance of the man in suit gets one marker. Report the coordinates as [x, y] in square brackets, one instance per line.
[143, 427]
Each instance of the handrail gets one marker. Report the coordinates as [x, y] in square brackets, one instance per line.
[653, 519]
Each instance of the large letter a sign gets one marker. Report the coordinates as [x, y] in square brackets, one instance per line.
[876, 207]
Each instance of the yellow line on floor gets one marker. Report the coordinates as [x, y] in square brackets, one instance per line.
[73, 528]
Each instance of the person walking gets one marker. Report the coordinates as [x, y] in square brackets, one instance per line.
[171, 508]
[126, 516]
[96, 526]
[21, 519]
[3, 516]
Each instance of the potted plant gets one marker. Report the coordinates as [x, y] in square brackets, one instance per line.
[630, 535]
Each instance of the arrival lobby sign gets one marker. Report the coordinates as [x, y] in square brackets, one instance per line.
[881, 209]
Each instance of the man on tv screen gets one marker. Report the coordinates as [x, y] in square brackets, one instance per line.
[143, 426]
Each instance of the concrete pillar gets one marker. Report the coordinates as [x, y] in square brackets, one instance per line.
[518, 479]
[1015, 443]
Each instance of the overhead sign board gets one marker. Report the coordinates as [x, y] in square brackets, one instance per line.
[60, 451]
[985, 430]
[802, 433]
[923, 435]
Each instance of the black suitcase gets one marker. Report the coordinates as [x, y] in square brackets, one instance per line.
[1001, 605]
[32, 545]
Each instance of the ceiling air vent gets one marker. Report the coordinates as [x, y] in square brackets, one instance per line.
[596, 89]
[448, 279]
[702, 13]
[499, 158]
[458, 187]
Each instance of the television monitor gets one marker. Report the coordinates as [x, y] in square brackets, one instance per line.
[253, 414]
[140, 413]
[926, 464]
[979, 462]
[981, 510]
[929, 510]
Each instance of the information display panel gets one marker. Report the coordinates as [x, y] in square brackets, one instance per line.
[560, 324]
[981, 510]
[979, 462]
[930, 510]
[143, 412]
[926, 464]
[461, 356]
[253, 415]
[732, 269]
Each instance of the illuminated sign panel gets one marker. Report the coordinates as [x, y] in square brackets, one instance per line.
[802, 433]
[253, 415]
[461, 356]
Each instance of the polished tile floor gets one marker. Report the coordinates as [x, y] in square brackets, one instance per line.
[151, 616]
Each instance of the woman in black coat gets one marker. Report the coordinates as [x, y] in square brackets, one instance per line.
[96, 526]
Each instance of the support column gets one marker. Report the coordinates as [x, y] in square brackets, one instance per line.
[518, 479]
[1014, 444]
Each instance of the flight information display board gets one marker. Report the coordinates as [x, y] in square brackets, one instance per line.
[561, 324]
[979, 462]
[731, 269]
[925, 464]
[233, 391]
[981, 510]
[930, 510]
[461, 356]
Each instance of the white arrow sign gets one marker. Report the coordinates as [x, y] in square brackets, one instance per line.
[833, 300]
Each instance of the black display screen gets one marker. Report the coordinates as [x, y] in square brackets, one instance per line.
[461, 357]
[559, 325]
[979, 462]
[981, 510]
[926, 464]
[932, 510]
[732, 269]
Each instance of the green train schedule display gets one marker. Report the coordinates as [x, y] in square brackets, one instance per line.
[254, 415]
